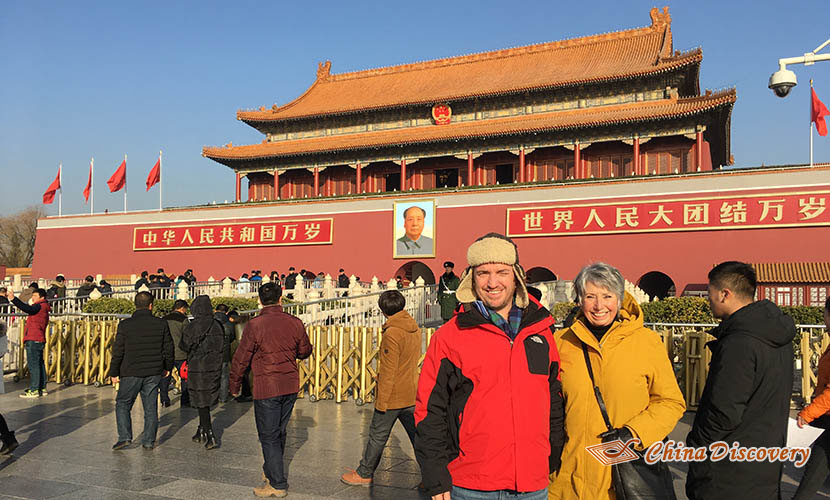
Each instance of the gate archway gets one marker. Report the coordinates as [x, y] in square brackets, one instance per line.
[538, 274]
[657, 284]
[414, 269]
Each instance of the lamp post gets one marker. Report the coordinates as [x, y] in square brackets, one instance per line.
[783, 80]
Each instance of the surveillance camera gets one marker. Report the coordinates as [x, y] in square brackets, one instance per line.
[782, 81]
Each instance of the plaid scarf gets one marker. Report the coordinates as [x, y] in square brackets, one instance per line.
[509, 326]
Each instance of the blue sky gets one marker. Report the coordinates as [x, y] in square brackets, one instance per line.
[83, 79]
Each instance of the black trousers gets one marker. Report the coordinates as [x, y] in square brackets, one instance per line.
[817, 468]
[4, 427]
[379, 430]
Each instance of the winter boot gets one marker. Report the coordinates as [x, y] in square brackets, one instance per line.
[9, 443]
[210, 440]
[199, 437]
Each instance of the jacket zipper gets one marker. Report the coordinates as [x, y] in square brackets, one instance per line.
[513, 416]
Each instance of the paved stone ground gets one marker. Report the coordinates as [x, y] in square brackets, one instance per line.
[65, 440]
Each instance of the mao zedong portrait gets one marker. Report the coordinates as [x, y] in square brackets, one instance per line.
[413, 242]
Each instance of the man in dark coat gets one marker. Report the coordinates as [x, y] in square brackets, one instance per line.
[447, 286]
[176, 321]
[163, 279]
[143, 281]
[342, 280]
[221, 315]
[203, 339]
[87, 288]
[291, 279]
[141, 355]
[271, 344]
[57, 290]
[746, 399]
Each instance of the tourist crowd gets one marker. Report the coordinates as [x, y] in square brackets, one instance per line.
[505, 404]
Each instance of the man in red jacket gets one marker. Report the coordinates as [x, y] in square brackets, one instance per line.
[489, 411]
[271, 344]
[34, 339]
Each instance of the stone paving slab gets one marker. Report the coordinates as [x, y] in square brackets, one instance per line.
[66, 439]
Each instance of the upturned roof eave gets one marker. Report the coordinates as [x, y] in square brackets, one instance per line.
[692, 58]
[723, 101]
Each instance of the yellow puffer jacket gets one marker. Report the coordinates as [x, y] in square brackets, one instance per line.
[634, 374]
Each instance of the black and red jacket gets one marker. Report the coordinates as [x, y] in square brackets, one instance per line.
[489, 411]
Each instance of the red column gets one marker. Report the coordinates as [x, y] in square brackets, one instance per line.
[276, 185]
[578, 174]
[698, 150]
[636, 164]
[403, 175]
[238, 187]
[522, 177]
[470, 180]
[316, 181]
[359, 180]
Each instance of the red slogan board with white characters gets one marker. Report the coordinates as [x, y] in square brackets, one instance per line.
[247, 234]
[664, 215]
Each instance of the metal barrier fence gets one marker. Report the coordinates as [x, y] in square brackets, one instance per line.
[344, 360]
[686, 347]
[303, 291]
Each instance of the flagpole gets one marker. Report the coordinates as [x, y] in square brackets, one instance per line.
[811, 122]
[92, 186]
[125, 183]
[60, 189]
[161, 184]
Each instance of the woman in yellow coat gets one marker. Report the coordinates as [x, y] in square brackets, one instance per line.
[631, 369]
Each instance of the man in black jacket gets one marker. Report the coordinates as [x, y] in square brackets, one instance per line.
[342, 280]
[228, 329]
[746, 399]
[141, 355]
[87, 288]
[291, 279]
[143, 280]
[176, 321]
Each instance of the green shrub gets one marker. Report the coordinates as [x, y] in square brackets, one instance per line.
[161, 307]
[109, 305]
[561, 310]
[678, 310]
[805, 315]
[239, 304]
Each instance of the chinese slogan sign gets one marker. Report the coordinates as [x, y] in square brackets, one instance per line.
[751, 211]
[251, 234]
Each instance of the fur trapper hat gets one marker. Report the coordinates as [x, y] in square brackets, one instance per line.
[492, 248]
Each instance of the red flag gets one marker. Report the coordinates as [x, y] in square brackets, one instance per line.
[119, 178]
[49, 195]
[817, 113]
[155, 175]
[88, 184]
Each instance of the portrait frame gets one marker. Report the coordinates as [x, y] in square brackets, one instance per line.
[404, 248]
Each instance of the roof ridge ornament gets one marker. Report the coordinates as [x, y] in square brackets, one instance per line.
[324, 71]
[660, 19]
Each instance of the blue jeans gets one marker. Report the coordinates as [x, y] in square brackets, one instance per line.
[465, 494]
[37, 368]
[128, 390]
[271, 421]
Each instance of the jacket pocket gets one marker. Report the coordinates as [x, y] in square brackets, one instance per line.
[537, 352]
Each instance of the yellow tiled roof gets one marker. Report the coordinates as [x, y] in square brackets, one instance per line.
[606, 57]
[793, 272]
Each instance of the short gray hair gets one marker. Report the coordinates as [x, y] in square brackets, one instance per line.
[602, 275]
